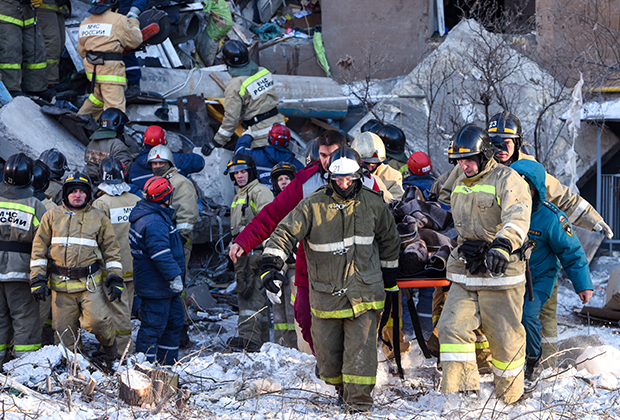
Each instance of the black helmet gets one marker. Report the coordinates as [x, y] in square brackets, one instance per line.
[471, 141]
[235, 53]
[312, 152]
[74, 181]
[41, 176]
[18, 170]
[113, 119]
[508, 126]
[56, 161]
[239, 162]
[393, 140]
[282, 168]
[371, 125]
[111, 170]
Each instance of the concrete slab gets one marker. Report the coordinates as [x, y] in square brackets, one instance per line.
[25, 128]
[293, 57]
[211, 181]
[201, 296]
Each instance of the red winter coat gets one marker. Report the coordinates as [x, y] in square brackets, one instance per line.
[264, 223]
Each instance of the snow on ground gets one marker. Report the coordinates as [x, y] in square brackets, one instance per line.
[280, 383]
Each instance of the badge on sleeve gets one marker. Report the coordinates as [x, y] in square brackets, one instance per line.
[567, 228]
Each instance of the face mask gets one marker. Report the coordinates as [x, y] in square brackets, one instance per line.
[162, 169]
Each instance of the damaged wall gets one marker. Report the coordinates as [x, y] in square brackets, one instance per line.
[387, 37]
[471, 76]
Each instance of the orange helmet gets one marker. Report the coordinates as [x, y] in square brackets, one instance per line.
[419, 163]
[154, 135]
[157, 189]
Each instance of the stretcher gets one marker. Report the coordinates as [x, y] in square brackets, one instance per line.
[391, 308]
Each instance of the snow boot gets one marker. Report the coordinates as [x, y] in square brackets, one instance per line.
[532, 373]
[184, 340]
[111, 351]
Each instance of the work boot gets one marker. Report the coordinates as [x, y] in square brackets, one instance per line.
[532, 373]
[111, 351]
[132, 91]
[241, 343]
[184, 340]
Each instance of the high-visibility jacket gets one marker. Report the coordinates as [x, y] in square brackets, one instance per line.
[75, 238]
[244, 98]
[20, 216]
[347, 242]
[118, 208]
[249, 200]
[493, 204]
[108, 32]
[578, 210]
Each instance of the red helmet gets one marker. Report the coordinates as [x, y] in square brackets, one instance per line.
[154, 135]
[419, 163]
[157, 189]
[279, 135]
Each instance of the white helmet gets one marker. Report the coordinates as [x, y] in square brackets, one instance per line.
[160, 153]
[345, 161]
[370, 147]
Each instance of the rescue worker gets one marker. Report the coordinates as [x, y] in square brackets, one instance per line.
[491, 207]
[250, 97]
[306, 182]
[553, 242]
[507, 127]
[102, 39]
[140, 171]
[372, 152]
[51, 22]
[184, 202]
[159, 267]
[75, 240]
[107, 141]
[22, 48]
[394, 140]
[40, 183]
[117, 202]
[349, 235]
[420, 167]
[283, 312]
[57, 162]
[20, 215]
[266, 157]
[251, 197]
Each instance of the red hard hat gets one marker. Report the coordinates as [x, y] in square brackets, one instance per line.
[154, 135]
[157, 189]
[419, 163]
[279, 135]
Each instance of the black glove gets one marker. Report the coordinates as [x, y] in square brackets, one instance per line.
[389, 279]
[498, 256]
[38, 288]
[206, 149]
[115, 286]
[474, 253]
[270, 271]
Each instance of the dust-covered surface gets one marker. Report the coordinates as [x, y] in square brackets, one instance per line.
[280, 383]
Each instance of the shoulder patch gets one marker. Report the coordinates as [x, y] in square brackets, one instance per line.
[533, 245]
[566, 226]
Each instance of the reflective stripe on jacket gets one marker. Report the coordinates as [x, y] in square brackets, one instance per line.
[493, 204]
[75, 238]
[347, 242]
[184, 202]
[249, 200]
[108, 32]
